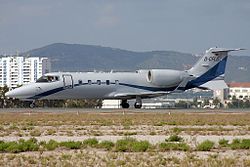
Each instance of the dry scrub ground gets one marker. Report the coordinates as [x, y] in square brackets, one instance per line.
[154, 127]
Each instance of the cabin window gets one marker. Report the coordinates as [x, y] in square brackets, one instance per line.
[89, 82]
[48, 78]
[116, 82]
[107, 82]
[98, 82]
[80, 82]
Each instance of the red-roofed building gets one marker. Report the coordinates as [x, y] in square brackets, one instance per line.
[241, 90]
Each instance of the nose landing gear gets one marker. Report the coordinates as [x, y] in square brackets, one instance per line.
[32, 104]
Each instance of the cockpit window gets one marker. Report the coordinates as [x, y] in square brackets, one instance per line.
[48, 79]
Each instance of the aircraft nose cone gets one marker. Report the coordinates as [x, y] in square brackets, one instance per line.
[21, 93]
[9, 94]
[13, 93]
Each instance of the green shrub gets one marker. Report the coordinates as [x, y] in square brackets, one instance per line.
[3, 146]
[71, 144]
[12, 147]
[206, 145]
[20, 146]
[131, 144]
[29, 145]
[173, 146]
[140, 146]
[245, 144]
[174, 138]
[35, 132]
[92, 142]
[124, 145]
[235, 144]
[51, 145]
[240, 144]
[129, 133]
[107, 145]
[177, 130]
[51, 132]
[152, 133]
[223, 143]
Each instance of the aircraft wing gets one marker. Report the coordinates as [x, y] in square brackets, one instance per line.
[141, 94]
[181, 87]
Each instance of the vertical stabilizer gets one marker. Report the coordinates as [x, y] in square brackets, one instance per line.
[210, 66]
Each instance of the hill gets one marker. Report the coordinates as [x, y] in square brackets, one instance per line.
[76, 57]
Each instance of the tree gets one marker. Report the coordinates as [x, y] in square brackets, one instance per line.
[217, 102]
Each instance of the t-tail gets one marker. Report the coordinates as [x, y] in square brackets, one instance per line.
[211, 66]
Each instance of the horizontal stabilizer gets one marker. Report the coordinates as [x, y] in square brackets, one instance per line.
[217, 50]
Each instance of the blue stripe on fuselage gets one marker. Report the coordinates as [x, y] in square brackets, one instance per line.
[56, 90]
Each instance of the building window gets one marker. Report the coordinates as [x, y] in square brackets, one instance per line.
[107, 82]
[89, 82]
[237, 90]
[98, 82]
[244, 90]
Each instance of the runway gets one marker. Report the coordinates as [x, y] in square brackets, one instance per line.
[132, 110]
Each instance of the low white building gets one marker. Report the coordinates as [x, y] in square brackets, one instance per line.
[111, 104]
[239, 90]
[19, 70]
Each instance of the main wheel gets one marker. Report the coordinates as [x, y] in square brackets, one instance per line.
[125, 104]
[138, 105]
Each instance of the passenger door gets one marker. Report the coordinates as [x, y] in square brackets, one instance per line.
[67, 81]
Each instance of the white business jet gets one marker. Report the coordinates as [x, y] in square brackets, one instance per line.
[125, 85]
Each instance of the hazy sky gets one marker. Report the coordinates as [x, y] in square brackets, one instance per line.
[139, 25]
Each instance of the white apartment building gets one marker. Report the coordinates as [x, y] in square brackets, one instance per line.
[241, 90]
[19, 70]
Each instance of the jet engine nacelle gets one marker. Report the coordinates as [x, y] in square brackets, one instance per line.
[165, 78]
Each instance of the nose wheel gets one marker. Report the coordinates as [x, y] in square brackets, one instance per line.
[32, 104]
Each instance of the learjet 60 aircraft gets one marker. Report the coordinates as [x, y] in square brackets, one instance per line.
[125, 85]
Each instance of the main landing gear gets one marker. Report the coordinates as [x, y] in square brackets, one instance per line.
[138, 103]
[124, 104]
